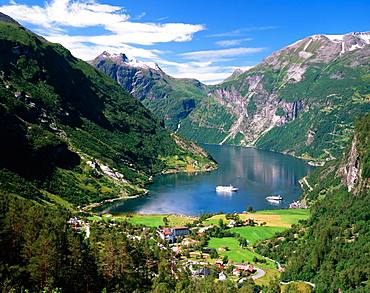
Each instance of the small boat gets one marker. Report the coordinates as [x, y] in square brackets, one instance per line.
[226, 188]
[274, 197]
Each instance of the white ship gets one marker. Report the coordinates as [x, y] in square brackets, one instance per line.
[274, 197]
[228, 188]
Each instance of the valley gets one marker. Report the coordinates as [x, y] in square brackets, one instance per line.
[109, 168]
[301, 92]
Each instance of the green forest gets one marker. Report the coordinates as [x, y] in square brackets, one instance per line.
[331, 248]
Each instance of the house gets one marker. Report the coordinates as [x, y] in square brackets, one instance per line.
[219, 263]
[207, 250]
[170, 234]
[222, 276]
[76, 223]
[232, 224]
[236, 272]
[180, 231]
[166, 234]
[246, 268]
[202, 272]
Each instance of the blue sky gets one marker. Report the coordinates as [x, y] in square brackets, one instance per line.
[203, 39]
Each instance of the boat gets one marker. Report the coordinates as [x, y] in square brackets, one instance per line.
[274, 198]
[227, 188]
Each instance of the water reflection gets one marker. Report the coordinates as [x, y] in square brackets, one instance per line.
[256, 173]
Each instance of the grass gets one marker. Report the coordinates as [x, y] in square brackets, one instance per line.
[257, 233]
[276, 221]
[155, 220]
[289, 216]
[235, 252]
[273, 218]
[58, 200]
[270, 275]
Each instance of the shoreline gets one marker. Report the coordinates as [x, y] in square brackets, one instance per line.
[89, 207]
[313, 162]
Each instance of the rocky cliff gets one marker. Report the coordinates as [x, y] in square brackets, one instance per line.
[171, 99]
[302, 100]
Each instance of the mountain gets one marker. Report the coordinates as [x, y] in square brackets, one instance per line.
[331, 249]
[69, 131]
[171, 99]
[308, 93]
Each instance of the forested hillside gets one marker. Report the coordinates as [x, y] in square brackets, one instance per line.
[310, 92]
[332, 248]
[171, 99]
[72, 131]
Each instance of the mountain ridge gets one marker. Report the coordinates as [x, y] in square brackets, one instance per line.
[249, 108]
[72, 131]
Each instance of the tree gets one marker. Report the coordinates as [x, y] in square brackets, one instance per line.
[213, 253]
[273, 286]
[221, 223]
[165, 221]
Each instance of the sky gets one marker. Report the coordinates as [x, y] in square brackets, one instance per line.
[203, 39]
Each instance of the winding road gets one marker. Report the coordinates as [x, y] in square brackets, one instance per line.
[260, 273]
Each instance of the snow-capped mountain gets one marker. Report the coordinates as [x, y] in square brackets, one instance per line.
[124, 60]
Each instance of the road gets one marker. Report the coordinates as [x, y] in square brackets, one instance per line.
[309, 283]
[260, 274]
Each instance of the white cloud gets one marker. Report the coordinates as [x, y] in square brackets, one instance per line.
[215, 54]
[230, 43]
[66, 13]
[59, 15]
[121, 34]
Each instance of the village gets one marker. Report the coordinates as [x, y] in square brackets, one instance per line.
[217, 245]
[201, 260]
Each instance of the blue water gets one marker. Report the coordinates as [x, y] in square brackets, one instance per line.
[256, 173]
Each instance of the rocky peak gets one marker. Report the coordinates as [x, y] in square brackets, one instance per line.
[116, 58]
[123, 60]
[318, 48]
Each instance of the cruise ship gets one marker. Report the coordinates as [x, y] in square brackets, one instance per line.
[227, 188]
[274, 197]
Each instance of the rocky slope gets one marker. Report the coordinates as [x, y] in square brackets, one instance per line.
[172, 99]
[308, 93]
[330, 249]
[72, 131]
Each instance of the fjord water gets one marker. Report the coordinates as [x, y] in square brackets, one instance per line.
[256, 173]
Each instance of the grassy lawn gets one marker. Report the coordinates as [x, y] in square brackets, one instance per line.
[236, 253]
[257, 233]
[272, 218]
[266, 279]
[155, 220]
[290, 216]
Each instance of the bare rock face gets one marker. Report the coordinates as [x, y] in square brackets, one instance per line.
[256, 109]
[350, 170]
[310, 137]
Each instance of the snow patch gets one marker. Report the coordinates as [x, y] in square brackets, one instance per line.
[334, 38]
[307, 44]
